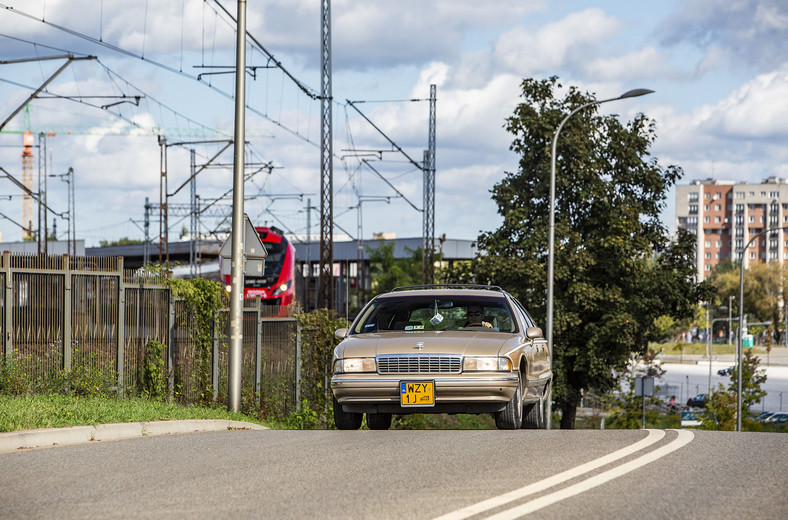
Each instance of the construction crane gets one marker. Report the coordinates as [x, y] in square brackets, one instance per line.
[27, 178]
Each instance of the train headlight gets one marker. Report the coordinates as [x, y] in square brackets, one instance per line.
[282, 288]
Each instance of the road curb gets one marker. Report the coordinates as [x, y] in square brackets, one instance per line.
[47, 437]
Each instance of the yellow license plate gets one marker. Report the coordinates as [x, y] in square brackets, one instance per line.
[417, 393]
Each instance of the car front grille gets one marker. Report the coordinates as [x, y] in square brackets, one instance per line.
[419, 364]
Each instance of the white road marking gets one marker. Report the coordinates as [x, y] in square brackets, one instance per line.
[684, 438]
[491, 503]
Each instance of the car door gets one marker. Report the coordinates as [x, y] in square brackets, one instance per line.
[531, 351]
[541, 352]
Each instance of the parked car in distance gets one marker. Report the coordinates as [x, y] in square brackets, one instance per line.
[725, 371]
[764, 416]
[699, 401]
[777, 417]
[441, 349]
[690, 418]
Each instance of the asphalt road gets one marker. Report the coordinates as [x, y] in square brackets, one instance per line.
[404, 474]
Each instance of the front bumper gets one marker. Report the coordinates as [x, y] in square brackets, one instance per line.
[455, 393]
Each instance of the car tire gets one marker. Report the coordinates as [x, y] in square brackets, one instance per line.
[511, 417]
[378, 421]
[346, 420]
[533, 413]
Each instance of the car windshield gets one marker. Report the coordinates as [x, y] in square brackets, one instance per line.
[407, 312]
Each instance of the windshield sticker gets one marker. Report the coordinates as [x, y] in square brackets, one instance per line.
[414, 327]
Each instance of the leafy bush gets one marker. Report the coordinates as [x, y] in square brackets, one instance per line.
[14, 378]
[153, 380]
[317, 348]
[89, 376]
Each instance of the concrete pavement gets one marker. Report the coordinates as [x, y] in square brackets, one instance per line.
[47, 437]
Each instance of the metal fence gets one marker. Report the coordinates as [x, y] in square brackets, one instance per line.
[59, 312]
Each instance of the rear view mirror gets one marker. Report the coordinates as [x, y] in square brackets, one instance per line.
[533, 332]
[340, 333]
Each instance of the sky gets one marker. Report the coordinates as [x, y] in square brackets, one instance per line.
[719, 70]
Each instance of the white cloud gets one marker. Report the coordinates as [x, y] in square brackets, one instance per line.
[645, 63]
[758, 109]
[754, 33]
[525, 52]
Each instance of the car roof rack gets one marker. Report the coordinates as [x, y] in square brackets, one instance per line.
[449, 286]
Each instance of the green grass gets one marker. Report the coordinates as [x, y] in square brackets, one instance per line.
[56, 411]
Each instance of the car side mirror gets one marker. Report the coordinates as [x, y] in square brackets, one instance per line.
[533, 332]
[340, 333]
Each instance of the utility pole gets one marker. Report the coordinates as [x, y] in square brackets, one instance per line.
[237, 269]
[326, 295]
[163, 224]
[146, 244]
[307, 299]
[42, 179]
[192, 215]
[72, 217]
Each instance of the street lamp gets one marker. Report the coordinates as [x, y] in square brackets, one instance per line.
[710, 337]
[741, 323]
[551, 240]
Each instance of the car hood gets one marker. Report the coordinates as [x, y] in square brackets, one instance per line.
[465, 343]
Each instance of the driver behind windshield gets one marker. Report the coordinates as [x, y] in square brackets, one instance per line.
[475, 316]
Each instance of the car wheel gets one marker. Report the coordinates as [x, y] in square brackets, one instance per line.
[511, 417]
[346, 420]
[379, 421]
[533, 413]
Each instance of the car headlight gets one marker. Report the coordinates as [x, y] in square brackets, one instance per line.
[282, 288]
[487, 364]
[366, 364]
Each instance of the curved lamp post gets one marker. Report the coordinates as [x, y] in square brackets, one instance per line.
[551, 240]
[741, 324]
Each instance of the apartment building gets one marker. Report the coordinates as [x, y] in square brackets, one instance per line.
[725, 215]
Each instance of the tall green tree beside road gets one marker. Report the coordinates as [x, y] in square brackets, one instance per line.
[615, 271]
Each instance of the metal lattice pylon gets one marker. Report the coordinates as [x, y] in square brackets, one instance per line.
[326, 295]
[428, 256]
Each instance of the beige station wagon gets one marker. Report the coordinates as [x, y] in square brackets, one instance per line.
[441, 349]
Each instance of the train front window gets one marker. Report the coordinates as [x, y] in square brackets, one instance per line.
[273, 265]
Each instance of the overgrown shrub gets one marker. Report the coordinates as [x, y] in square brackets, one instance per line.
[14, 378]
[204, 299]
[90, 376]
[317, 347]
[153, 380]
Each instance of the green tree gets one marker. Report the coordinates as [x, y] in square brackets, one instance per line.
[388, 272]
[762, 287]
[720, 413]
[615, 271]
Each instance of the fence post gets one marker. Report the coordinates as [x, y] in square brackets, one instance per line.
[67, 316]
[215, 367]
[171, 345]
[121, 346]
[298, 362]
[258, 349]
[8, 306]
